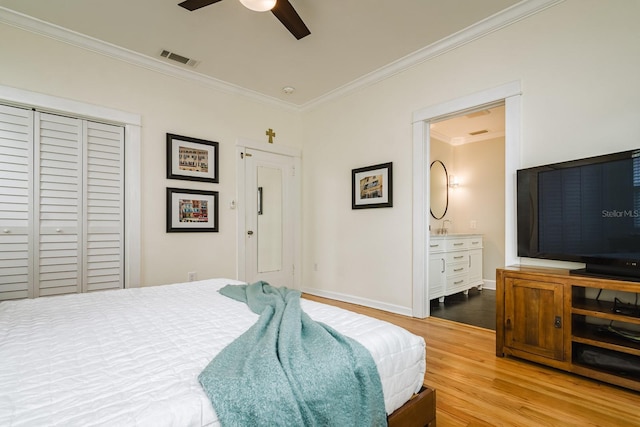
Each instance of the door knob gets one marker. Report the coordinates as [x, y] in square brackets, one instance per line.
[250, 233]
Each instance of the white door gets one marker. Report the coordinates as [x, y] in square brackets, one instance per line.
[61, 204]
[79, 181]
[16, 146]
[104, 204]
[58, 205]
[269, 218]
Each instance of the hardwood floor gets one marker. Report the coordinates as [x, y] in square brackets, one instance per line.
[477, 308]
[476, 388]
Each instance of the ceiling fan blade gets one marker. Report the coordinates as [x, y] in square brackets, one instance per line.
[196, 4]
[290, 19]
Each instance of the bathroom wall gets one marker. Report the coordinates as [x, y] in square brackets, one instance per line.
[477, 204]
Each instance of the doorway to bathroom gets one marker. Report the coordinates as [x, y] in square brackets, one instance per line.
[470, 149]
[508, 94]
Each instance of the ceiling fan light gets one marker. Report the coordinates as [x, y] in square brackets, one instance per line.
[259, 5]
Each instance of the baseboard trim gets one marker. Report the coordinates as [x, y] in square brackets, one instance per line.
[489, 284]
[392, 308]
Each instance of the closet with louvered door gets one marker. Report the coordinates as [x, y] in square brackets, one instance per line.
[16, 194]
[72, 184]
[58, 205]
[104, 218]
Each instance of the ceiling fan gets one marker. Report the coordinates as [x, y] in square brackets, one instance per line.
[282, 10]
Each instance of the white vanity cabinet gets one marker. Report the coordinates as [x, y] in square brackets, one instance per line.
[437, 269]
[455, 264]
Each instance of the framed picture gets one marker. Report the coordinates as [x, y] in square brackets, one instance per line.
[372, 187]
[191, 158]
[191, 210]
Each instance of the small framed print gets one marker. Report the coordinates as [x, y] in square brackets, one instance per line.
[371, 187]
[192, 210]
[191, 159]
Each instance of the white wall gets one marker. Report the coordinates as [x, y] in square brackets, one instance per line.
[166, 104]
[578, 64]
[480, 167]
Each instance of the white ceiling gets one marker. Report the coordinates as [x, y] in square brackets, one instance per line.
[476, 126]
[350, 39]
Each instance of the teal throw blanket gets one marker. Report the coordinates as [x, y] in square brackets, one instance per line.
[288, 370]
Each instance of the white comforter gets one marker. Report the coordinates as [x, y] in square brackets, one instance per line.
[132, 357]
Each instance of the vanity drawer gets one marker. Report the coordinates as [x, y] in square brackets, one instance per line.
[457, 244]
[456, 257]
[474, 243]
[457, 284]
[457, 268]
[436, 245]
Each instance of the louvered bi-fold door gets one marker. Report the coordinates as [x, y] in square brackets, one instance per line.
[16, 144]
[61, 204]
[58, 204]
[104, 219]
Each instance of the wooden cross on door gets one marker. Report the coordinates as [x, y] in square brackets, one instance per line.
[270, 133]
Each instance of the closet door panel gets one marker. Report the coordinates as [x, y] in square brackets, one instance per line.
[61, 204]
[58, 202]
[104, 220]
[16, 157]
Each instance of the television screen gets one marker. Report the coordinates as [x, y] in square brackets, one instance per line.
[585, 210]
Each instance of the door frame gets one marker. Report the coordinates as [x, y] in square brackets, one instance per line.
[242, 145]
[511, 94]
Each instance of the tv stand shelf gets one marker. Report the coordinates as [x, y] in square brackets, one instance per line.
[600, 309]
[589, 334]
[553, 317]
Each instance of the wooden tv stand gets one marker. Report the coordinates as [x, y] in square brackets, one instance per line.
[549, 316]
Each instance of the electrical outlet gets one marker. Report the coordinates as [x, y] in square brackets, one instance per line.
[192, 276]
[473, 224]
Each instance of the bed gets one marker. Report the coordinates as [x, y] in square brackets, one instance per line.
[132, 357]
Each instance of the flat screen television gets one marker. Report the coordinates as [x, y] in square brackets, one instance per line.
[585, 210]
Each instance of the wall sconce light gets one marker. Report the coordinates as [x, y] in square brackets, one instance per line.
[453, 181]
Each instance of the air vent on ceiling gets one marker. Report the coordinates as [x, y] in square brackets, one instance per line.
[178, 58]
[478, 132]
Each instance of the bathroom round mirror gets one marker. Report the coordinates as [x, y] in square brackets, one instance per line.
[439, 194]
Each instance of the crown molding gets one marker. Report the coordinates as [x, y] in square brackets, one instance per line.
[502, 19]
[434, 134]
[462, 140]
[73, 38]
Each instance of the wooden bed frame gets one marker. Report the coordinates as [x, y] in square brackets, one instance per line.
[419, 411]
